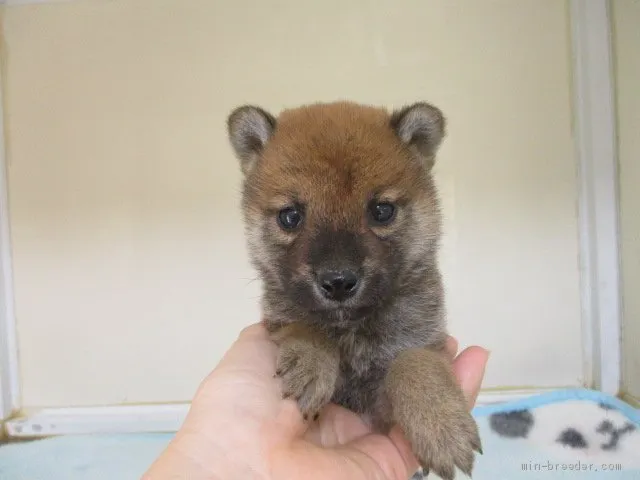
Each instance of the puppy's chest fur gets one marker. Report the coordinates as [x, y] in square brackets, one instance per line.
[365, 357]
[367, 346]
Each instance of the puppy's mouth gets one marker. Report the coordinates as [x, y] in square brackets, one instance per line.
[345, 310]
[342, 316]
[353, 303]
[357, 306]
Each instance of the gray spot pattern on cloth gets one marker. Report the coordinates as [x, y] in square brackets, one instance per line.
[572, 438]
[606, 427]
[516, 424]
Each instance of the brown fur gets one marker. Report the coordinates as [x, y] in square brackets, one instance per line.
[378, 352]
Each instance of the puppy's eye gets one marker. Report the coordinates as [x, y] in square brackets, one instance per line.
[289, 218]
[382, 213]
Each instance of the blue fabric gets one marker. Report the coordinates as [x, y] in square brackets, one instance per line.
[556, 396]
[82, 457]
[538, 455]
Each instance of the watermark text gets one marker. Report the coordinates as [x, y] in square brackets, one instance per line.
[571, 466]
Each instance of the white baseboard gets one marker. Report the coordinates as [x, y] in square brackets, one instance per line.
[146, 418]
[490, 397]
[90, 420]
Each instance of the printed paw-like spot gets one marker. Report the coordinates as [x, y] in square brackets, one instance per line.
[516, 424]
[572, 438]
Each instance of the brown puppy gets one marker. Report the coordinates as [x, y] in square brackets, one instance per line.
[343, 224]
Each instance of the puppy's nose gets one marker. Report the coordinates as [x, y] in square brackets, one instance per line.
[338, 285]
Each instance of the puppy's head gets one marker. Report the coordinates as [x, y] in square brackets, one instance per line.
[340, 209]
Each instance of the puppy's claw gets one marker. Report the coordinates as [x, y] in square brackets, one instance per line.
[453, 449]
[478, 448]
[476, 443]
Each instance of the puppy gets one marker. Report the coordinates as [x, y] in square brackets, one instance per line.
[343, 224]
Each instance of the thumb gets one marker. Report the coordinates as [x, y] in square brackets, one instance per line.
[469, 368]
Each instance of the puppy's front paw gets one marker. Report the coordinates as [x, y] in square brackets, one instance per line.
[448, 441]
[429, 406]
[309, 374]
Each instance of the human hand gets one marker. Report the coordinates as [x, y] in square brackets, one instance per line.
[240, 427]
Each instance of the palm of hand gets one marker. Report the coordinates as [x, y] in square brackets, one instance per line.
[238, 418]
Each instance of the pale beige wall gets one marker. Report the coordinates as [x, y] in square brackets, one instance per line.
[130, 271]
[626, 15]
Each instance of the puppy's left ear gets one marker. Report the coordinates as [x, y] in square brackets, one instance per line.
[421, 127]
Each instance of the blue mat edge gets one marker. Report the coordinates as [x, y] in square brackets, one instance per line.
[558, 396]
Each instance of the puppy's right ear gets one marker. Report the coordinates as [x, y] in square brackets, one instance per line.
[249, 128]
